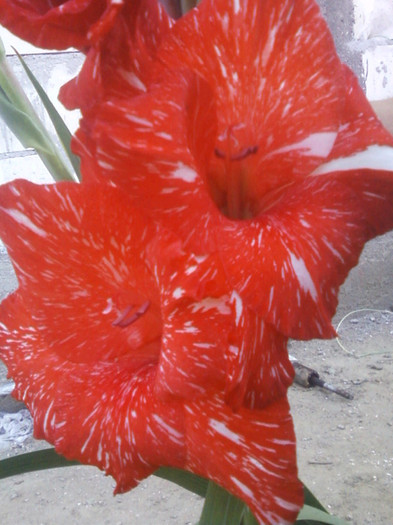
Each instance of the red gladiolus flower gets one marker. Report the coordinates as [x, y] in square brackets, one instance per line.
[257, 146]
[62, 23]
[119, 38]
[90, 338]
[120, 64]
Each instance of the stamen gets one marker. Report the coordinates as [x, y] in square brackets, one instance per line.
[220, 154]
[123, 321]
[251, 150]
[245, 153]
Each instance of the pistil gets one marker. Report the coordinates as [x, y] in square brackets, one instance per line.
[236, 198]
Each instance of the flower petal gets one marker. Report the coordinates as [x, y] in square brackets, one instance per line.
[211, 341]
[78, 255]
[142, 145]
[21, 349]
[360, 127]
[121, 62]
[121, 427]
[106, 414]
[252, 456]
[277, 83]
[295, 256]
[60, 24]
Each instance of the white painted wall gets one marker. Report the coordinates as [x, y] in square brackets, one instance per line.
[373, 33]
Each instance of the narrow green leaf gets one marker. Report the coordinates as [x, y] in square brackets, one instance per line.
[62, 131]
[21, 118]
[48, 458]
[187, 480]
[11, 87]
[311, 500]
[249, 518]
[221, 508]
[32, 461]
[318, 516]
[31, 135]
[23, 126]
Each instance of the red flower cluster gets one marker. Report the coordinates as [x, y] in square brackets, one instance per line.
[232, 172]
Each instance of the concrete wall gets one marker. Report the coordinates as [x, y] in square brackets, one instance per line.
[340, 16]
[373, 37]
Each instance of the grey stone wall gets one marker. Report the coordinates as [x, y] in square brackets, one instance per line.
[339, 14]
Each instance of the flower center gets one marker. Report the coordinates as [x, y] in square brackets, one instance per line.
[229, 170]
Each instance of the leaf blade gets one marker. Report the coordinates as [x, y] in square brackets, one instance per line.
[187, 480]
[33, 461]
[312, 514]
[221, 508]
[62, 130]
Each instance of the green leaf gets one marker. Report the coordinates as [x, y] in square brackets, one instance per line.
[249, 518]
[187, 480]
[62, 131]
[32, 461]
[21, 118]
[318, 516]
[221, 508]
[311, 500]
[32, 135]
[48, 458]
[22, 126]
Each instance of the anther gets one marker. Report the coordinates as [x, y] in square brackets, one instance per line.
[123, 320]
[251, 150]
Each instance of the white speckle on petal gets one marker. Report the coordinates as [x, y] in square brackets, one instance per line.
[19, 217]
[175, 435]
[243, 487]
[287, 505]
[222, 429]
[269, 45]
[185, 173]
[235, 297]
[373, 158]
[303, 276]
[315, 145]
[236, 6]
[109, 306]
[163, 135]
[178, 292]
[210, 303]
[138, 120]
[133, 80]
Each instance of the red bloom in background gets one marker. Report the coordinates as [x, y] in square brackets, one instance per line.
[62, 23]
[257, 146]
[121, 62]
[119, 38]
[127, 350]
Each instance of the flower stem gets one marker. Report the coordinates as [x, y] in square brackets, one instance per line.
[221, 508]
